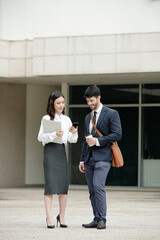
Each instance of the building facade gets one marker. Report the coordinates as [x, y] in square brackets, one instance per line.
[125, 66]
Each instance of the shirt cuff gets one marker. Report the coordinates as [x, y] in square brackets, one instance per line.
[74, 136]
[53, 135]
[97, 143]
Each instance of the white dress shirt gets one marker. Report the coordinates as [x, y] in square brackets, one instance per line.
[98, 111]
[97, 116]
[50, 137]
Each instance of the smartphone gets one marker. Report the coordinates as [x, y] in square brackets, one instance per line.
[75, 124]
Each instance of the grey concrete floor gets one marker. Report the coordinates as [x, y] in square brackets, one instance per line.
[131, 215]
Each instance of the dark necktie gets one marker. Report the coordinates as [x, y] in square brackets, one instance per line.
[94, 120]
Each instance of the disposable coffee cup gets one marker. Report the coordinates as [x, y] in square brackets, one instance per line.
[89, 136]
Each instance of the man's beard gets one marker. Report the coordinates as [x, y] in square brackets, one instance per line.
[94, 106]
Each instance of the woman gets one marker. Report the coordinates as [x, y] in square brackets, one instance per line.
[55, 160]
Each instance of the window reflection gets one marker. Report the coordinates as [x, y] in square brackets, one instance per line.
[111, 94]
[151, 93]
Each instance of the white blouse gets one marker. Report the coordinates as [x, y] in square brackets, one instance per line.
[50, 137]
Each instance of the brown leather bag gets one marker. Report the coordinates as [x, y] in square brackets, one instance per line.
[117, 158]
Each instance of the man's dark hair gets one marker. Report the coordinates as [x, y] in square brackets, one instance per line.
[92, 91]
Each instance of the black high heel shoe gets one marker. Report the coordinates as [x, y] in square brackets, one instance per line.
[61, 225]
[50, 226]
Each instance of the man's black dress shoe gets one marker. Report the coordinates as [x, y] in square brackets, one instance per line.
[93, 224]
[101, 224]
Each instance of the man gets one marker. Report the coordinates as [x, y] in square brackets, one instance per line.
[96, 156]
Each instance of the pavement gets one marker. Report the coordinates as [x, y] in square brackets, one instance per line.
[131, 215]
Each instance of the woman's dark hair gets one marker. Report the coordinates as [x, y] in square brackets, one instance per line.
[50, 107]
[92, 91]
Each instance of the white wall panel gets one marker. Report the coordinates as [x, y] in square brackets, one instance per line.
[17, 67]
[80, 64]
[4, 49]
[150, 42]
[80, 45]
[103, 63]
[56, 65]
[4, 66]
[38, 66]
[17, 49]
[150, 62]
[128, 62]
[128, 43]
[103, 44]
[29, 68]
[38, 47]
[56, 46]
[29, 49]
[81, 55]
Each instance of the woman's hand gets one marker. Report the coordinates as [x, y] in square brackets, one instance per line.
[59, 133]
[73, 130]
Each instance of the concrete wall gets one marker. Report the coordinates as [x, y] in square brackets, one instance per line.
[12, 134]
[28, 19]
[36, 103]
[15, 58]
[102, 54]
[21, 155]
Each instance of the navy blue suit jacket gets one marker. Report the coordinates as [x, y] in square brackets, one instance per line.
[109, 125]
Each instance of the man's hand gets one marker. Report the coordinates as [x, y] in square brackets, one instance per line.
[81, 167]
[91, 141]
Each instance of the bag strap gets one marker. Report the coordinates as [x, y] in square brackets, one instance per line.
[100, 134]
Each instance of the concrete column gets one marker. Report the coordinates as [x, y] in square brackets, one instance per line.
[36, 103]
[65, 91]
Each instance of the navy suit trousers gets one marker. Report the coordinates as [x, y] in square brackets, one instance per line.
[96, 173]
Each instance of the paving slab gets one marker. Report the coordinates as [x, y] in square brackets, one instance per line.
[131, 215]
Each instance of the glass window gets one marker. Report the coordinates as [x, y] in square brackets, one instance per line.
[111, 94]
[128, 174]
[151, 93]
[119, 94]
[151, 132]
[78, 115]
[125, 176]
[150, 152]
[150, 147]
[76, 95]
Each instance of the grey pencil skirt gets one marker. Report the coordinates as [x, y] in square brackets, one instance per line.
[55, 169]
